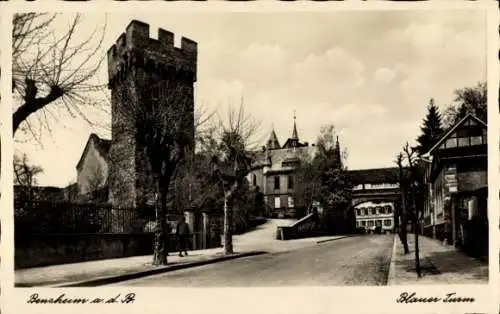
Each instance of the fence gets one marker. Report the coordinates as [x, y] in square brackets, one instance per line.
[48, 233]
[54, 217]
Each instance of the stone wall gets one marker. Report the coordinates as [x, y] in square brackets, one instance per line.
[54, 249]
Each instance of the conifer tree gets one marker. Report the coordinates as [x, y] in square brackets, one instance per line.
[431, 129]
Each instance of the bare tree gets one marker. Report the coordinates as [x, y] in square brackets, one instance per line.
[52, 68]
[156, 114]
[411, 157]
[25, 175]
[234, 163]
[403, 213]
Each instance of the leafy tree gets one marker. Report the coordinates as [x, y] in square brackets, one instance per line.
[431, 129]
[473, 100]
[325, 179]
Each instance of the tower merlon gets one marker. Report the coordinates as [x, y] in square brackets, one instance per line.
[136, 48]
[189, 46]
[165, 37]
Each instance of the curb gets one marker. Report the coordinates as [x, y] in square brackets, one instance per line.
[391, 276]
[160, 270]
[329, 240]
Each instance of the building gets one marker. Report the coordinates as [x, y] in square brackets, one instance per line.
[273, 173]
[93, 168]
[456, 176]
[375, 197]
[144, 72]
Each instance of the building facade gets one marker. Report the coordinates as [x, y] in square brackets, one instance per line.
[375, 197]
[273, 173]
[456, 175]
[93, 168]
[371, 215]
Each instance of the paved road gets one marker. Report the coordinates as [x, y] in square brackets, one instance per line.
[360, 260]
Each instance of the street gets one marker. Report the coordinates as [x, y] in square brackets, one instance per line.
[359, 260]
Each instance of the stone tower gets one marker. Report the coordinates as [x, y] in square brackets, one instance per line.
[135, 63]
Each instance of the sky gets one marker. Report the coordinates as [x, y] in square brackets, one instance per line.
[369, 73]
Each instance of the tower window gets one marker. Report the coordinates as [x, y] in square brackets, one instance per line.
[277, 183]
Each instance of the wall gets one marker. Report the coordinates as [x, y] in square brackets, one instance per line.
[53, 249]
[472, 180]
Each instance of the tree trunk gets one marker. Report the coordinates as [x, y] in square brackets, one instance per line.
[417, 251]
[404, 215]
[403, 235]
[161, 230]
[228, 226]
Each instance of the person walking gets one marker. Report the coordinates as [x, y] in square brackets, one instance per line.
[182, 232]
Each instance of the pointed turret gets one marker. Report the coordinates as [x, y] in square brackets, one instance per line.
[295, 135]
[294, 140]
[338, 156]
[273, 142]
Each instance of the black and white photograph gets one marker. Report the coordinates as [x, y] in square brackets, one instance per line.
[250, 149]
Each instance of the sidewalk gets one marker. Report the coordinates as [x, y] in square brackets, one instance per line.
[101, 272]
[442, 264]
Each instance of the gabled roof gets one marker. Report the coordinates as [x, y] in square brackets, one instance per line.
[278, 156]
[452, 129]
[376, 175]
[102, 146]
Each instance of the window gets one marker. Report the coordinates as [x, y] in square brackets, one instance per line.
[374, 211]
[358, 187]
[358, 212]
[379, 223]
[276, 183]
[387, 222]
[451, 142]
[358, 224]
[290, 182]
[290, 201]
[463, 141]
[254, 180]
[371, 223]
[476, 140]
[381, 210]
[363, 223]
[388, 209]
[277, 202]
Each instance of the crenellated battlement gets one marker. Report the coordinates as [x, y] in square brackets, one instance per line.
[136, 49]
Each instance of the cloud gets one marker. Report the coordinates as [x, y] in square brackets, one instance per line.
[384, 75]
[335, 63]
